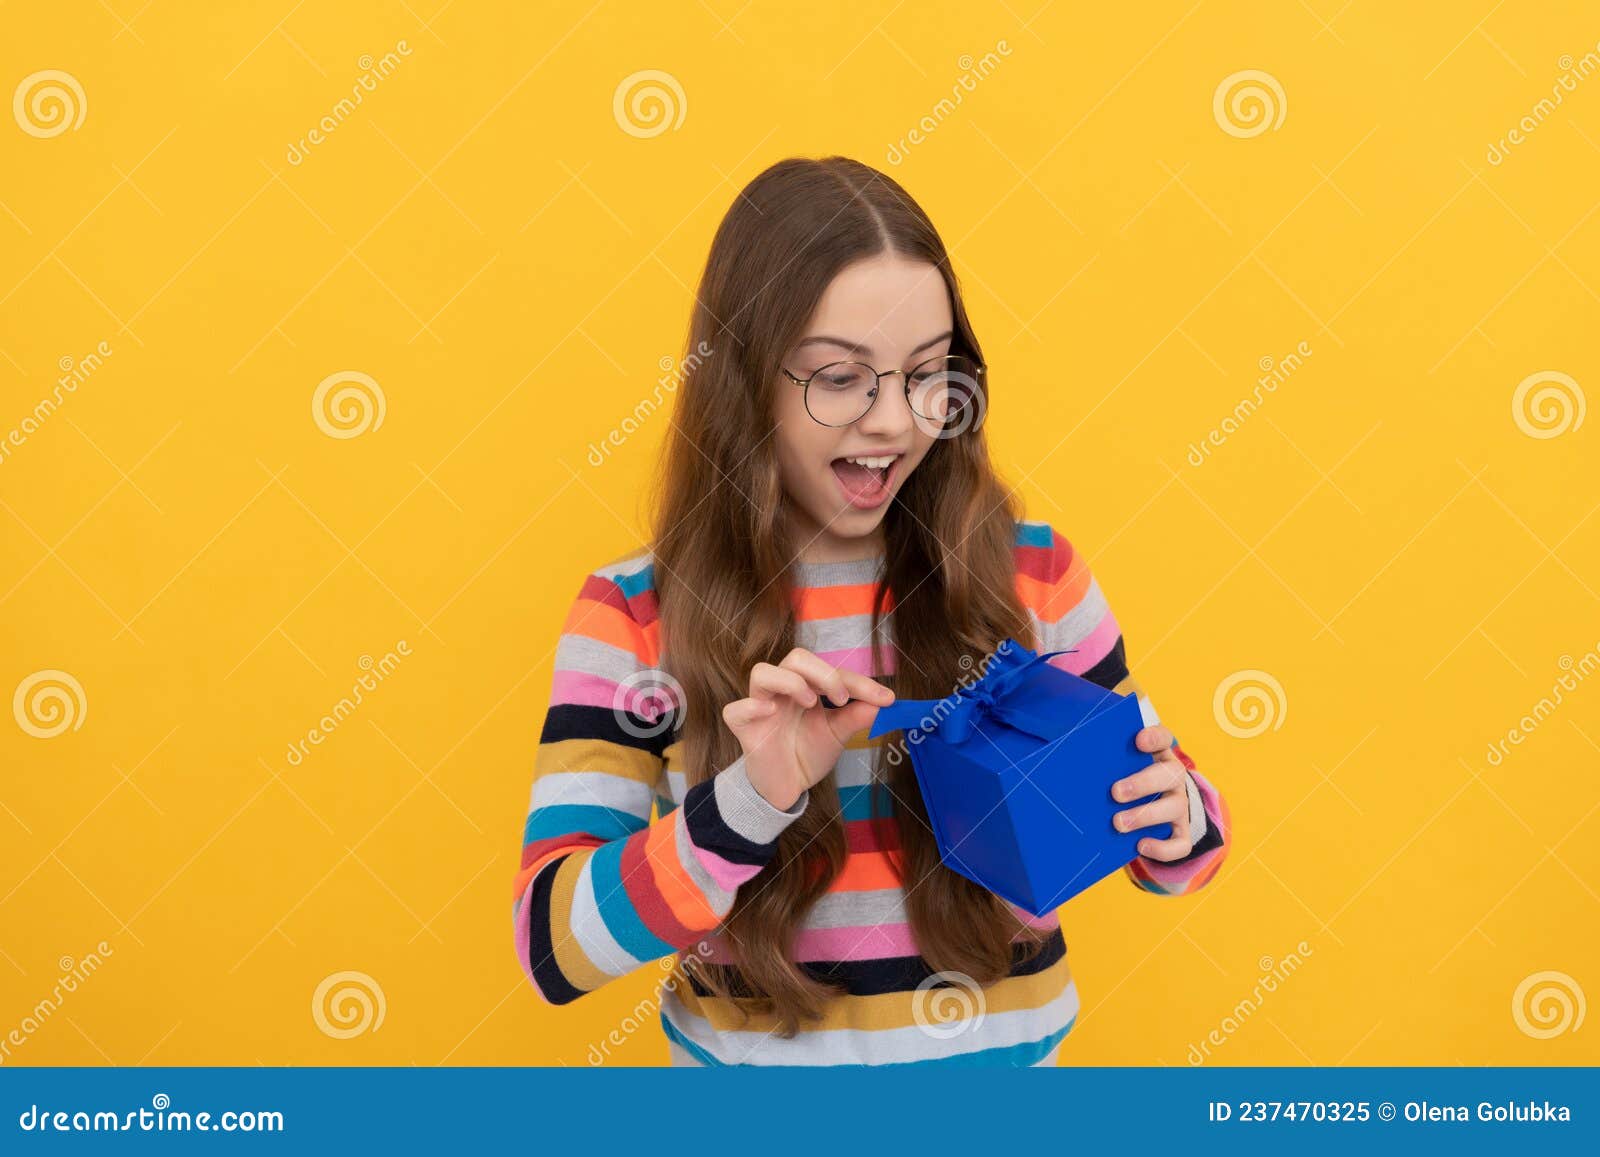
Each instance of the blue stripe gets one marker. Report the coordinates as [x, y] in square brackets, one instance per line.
[856, 803]
[560, 819]
[616, 906]
[1035, 534]
[1014, 1056]
[636, 583]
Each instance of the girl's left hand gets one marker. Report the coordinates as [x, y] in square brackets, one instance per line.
[1168, 776]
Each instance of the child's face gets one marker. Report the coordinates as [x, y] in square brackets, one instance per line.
[891, 314]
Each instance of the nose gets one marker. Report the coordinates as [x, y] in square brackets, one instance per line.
[890, 415]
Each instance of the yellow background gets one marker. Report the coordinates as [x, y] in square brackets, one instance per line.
[483, 238]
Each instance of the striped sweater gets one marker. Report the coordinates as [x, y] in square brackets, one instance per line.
[605, 889]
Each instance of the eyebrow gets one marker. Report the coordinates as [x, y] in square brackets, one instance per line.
[864, 350]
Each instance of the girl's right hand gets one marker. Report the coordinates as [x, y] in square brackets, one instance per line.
[790, 739]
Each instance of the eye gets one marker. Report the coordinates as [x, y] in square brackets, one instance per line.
[841, 376]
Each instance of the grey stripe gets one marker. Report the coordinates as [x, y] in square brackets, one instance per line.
[1077, 624]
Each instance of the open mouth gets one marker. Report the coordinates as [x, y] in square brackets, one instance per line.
[865, 479]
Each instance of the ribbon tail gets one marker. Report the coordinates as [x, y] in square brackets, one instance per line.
[901, 715]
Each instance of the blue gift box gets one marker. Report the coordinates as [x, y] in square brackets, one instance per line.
[1016, 771]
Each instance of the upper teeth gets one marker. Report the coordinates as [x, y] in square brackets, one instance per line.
[873, 463]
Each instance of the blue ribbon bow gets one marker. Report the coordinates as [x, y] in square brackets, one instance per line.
[956, 715]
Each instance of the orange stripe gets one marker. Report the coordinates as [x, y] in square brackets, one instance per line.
[866, 872]
[833, 602]
[608, 625]
[1050, 601]
[689, 905]
[526, 875]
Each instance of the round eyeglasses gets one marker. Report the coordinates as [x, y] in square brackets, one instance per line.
[940, 390]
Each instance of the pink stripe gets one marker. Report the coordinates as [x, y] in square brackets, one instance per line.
[581, 689]
[857, 659]
[522, 925]
[1173, 877]
[1093, 647]
[872, 942]
[726, 873]
[866, 942]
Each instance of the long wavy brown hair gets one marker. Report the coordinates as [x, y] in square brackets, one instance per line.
[723, 546]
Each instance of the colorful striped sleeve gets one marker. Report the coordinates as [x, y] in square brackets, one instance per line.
[602, 889]
[1071, 612]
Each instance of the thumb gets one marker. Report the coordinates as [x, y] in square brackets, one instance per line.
[857, 715]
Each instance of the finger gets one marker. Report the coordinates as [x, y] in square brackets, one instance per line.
[866, 687]
[823, 676]
[1161, 776]
[744, 712]
[769, 682]
[1167, 809]
[1153, 739]
[1174, 848]
[857, 715]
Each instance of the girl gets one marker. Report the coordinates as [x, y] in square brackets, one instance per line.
[830, 532]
